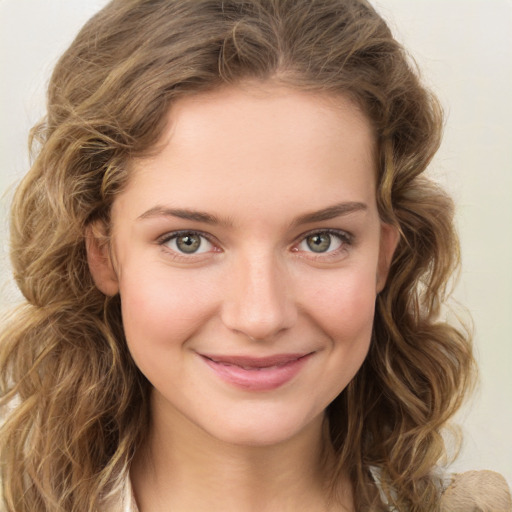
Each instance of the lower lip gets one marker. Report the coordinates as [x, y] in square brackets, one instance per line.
[258, 379]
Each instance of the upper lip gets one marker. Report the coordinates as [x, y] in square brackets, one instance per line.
[256, 362]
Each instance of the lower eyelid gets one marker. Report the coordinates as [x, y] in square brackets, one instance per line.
[165, 239]
[344, 237]
[346, 240]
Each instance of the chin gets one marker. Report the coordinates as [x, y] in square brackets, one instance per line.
[263, 430]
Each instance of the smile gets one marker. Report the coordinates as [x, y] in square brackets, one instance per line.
[257, 374]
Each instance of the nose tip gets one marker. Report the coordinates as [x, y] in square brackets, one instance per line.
[259, 304]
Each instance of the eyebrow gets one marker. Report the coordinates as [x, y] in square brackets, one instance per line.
[186, 214]
[328, 213]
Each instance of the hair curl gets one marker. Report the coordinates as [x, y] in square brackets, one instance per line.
[66, 442]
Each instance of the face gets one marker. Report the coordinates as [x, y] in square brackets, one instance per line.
[248, 253]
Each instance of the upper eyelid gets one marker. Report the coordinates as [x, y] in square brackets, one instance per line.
[346, 239]
[343, 234]
[182, 256]
[337, 232]
[174, 234]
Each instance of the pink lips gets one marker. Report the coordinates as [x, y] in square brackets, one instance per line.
[257, 374]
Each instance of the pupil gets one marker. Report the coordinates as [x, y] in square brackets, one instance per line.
[188, 243]
[319, 243]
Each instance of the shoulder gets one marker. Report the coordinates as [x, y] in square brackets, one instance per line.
[477, 491]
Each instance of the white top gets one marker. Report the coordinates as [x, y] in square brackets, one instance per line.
[468, 492]
[128, 499]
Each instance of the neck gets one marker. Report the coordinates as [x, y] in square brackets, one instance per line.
[183, 468]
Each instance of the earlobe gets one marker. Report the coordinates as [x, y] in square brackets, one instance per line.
[389, 237]
[100, 260]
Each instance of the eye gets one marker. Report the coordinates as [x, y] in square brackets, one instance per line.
[187, 242]
[324, 242]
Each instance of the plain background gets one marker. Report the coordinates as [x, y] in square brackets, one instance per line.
[464, 49]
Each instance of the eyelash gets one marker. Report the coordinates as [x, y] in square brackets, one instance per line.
[346, 240]
[165, 239]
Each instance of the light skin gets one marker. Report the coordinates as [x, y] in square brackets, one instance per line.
[253, 232]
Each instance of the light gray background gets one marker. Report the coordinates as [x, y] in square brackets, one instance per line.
[464, 48]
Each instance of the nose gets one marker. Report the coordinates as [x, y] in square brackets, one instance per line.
[259, 301]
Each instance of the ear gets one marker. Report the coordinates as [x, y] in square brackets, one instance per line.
[99, 258]
[389, 237]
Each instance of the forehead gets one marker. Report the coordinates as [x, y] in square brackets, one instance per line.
[259, 143]
[251, 116]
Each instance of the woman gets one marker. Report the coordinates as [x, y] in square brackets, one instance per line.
[234, 269]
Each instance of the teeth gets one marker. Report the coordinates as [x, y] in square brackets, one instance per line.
[257, 368]
[253, 368]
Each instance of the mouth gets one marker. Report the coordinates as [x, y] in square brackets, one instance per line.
[257, 373]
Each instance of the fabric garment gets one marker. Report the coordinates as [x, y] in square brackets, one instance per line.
[477, 491]
[472, 491]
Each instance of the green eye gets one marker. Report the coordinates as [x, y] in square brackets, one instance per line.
[324, 242]
[319, 242]
[188, 243]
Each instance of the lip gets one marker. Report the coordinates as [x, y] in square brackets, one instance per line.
[257, 373]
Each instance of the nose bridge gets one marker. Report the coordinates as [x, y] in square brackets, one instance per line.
[260, 304]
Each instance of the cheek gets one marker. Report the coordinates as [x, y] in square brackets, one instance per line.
[344, 304]
[162, 308]
[346, 313]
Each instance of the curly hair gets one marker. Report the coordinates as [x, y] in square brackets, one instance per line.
[66, 442]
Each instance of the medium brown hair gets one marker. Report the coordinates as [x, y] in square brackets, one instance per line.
[78, 406]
